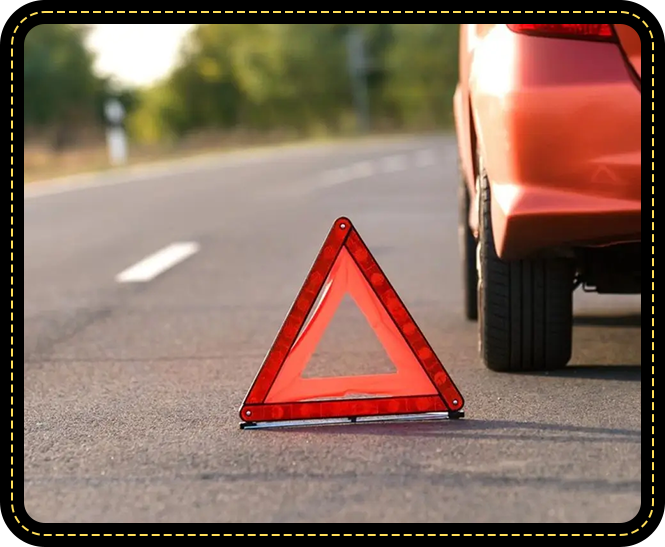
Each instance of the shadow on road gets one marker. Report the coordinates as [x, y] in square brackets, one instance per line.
[621, 373]
[484, 429]
[621, 321]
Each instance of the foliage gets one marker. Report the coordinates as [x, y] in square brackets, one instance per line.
[255, 77]
[58, 77]
[62, 93]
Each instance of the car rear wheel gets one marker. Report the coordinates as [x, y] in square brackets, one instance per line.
[467, 243]
[525, 306]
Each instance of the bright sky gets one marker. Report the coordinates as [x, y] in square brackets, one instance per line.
[136, 54]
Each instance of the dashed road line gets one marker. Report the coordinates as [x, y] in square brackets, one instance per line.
[336, 176]
[424, 158]
[391, 164]
[362, 169]
[157, 263]
[386, 164]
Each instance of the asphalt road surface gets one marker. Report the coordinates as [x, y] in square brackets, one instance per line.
[133, 382]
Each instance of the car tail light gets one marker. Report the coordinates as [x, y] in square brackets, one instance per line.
[583, 32]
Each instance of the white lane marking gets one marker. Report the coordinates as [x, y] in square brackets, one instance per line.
[425, 158]
[386, 164]
[336, 176]
[362, 169]
[390, 164]
[157, 263]
[342, 175]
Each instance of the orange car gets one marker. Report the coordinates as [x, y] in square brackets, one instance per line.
[548, 122]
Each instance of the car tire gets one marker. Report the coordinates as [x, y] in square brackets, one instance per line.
[525, 306]
[467, 243]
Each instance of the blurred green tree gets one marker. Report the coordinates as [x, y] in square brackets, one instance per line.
[256, 77]
[421, 66]
[61, 90]
[296, 77]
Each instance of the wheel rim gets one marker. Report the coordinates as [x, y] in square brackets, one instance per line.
[480, 252]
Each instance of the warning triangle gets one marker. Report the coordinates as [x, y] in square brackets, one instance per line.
[420, 384]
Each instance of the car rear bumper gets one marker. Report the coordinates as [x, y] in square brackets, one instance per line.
[559, 126]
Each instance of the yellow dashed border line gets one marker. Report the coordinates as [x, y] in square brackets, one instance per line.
[635, 531]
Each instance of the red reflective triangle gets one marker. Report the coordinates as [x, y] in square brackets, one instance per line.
[420, 385]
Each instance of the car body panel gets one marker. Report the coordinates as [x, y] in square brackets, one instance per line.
[631, 46]
[558, 125]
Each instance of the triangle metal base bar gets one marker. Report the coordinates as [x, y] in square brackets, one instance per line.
[428, 416]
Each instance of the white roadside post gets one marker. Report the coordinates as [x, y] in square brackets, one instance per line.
[358, 66]
[115, 132]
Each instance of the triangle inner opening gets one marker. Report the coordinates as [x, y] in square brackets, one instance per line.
[348, 347]
[405, 375]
